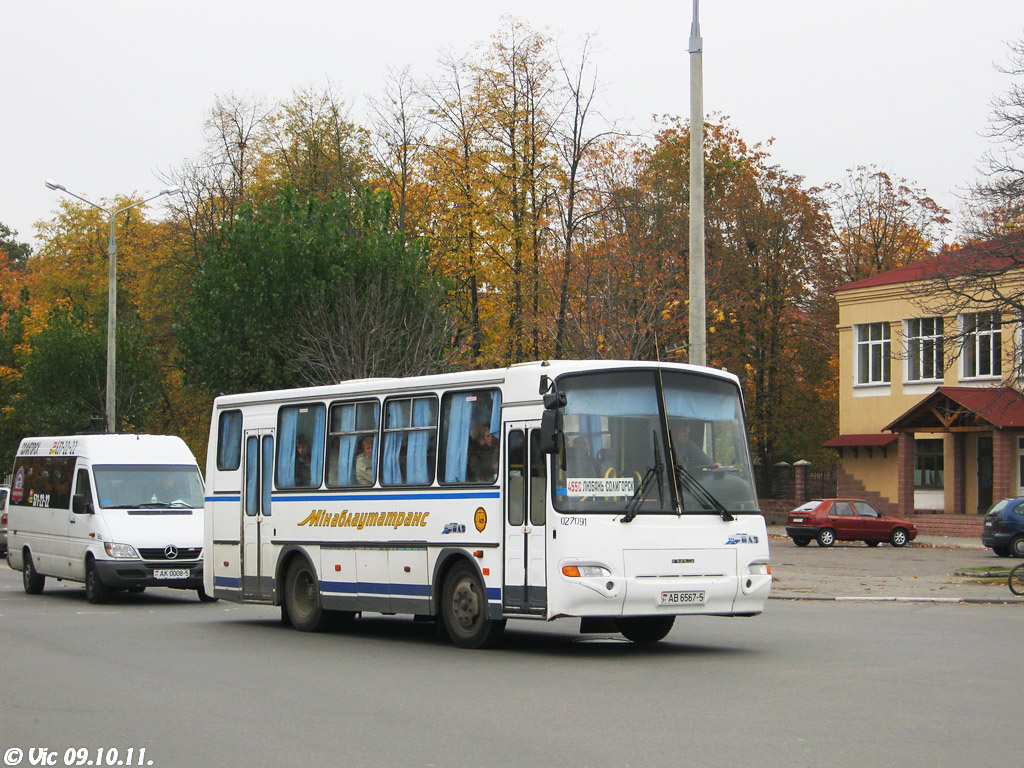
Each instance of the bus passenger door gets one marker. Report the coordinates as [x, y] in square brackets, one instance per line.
[256, 488]
[525, 580]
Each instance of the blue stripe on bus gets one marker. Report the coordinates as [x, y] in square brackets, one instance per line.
[370, 497]
[376, 588]
[227, 581]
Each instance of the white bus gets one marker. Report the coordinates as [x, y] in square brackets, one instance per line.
[620, 493]
[117, 512]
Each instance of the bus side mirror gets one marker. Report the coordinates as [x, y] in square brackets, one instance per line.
[80, 506]
[550, 434]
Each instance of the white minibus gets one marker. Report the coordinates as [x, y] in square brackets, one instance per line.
[617, 492]
[117, 512]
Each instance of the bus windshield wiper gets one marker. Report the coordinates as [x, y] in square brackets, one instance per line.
[702, 493]
[652, 474]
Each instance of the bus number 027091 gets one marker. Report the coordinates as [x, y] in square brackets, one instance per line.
[574, 520]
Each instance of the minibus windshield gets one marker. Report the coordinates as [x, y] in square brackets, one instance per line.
[148, 486]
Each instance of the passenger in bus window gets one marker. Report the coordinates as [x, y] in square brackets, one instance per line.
[483, 455]
[364, 461]
[302, 461]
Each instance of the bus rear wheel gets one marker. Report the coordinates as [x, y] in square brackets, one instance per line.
[464, 610]
[302, 597]
[645, 629]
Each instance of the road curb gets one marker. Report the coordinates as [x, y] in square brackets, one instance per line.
[965, 600]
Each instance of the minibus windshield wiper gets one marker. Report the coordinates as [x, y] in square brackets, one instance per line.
[702, 493]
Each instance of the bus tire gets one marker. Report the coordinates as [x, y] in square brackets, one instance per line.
[645, 629]
[30, 579]
[96, 592]
[302, 597]
[464, 609]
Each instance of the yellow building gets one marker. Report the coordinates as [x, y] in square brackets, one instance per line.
[927, 422]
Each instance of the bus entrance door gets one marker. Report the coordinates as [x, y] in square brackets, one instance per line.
[258, 481]
[525, 584]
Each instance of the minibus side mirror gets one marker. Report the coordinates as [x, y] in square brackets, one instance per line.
[80, 505]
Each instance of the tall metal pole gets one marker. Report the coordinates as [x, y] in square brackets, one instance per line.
[111, 394]
[111, 327]
[698, 312]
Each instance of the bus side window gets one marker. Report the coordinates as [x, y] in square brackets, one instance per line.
[410, 441]
[538, 480]
[470, 427]
[300, 448]
[229, 441]
[352, 444]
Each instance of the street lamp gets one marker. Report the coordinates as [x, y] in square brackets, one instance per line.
[111, 289]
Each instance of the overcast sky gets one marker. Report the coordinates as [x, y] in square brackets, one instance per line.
[103, 95]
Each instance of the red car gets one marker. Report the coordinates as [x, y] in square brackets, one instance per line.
[846, 520]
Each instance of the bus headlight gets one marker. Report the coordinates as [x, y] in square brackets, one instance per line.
[585, 571]
[120, 551]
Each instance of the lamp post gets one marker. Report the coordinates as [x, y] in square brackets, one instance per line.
[111, 291]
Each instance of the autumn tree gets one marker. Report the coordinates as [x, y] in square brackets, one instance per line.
[880, 223]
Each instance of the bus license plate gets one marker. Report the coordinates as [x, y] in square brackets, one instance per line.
[170, 573]
[692, 597]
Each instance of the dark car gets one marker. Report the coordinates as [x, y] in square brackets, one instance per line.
[1004, 527]
[830, 520]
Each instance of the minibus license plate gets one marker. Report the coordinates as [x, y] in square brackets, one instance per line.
[692, 597]
[170, 573]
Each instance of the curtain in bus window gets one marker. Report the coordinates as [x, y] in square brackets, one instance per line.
[286, 448]
[621, 400]
[346, 444]
[496, 414]
[391, 471]
[416, 464]
[457, 437]
[229, 441]
[316, 464]
[707, 406]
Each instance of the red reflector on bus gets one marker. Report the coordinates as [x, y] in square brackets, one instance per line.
[478, 553]
[337, 566]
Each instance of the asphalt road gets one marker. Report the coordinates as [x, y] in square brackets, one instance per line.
[809, 683]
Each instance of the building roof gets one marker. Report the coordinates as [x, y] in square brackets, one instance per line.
[948, 408]
[984, 258]
[871, 440]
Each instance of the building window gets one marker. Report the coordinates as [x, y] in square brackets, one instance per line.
[983, 340]
[924, 349]
[873, 353]
[928, 463]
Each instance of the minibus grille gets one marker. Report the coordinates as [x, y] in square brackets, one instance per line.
[161, 553]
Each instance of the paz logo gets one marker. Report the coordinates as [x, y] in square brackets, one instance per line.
[480, 519]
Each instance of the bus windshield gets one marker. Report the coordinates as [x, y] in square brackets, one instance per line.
[619, 457]
[173, 486]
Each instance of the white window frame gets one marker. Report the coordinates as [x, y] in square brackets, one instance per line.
[924, 348]
[873, 351]
[982, 350]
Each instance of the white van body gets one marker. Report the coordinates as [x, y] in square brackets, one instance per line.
[117, 512]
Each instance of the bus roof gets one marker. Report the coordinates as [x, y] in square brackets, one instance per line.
[523, 378]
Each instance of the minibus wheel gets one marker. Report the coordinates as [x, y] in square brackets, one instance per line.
[205, 597]
[96, 592]
[464, 609]
[32, 581]
[302, 597]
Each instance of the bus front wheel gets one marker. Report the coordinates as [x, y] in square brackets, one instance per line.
[302, 597]
[646, 629]
[464, 610]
